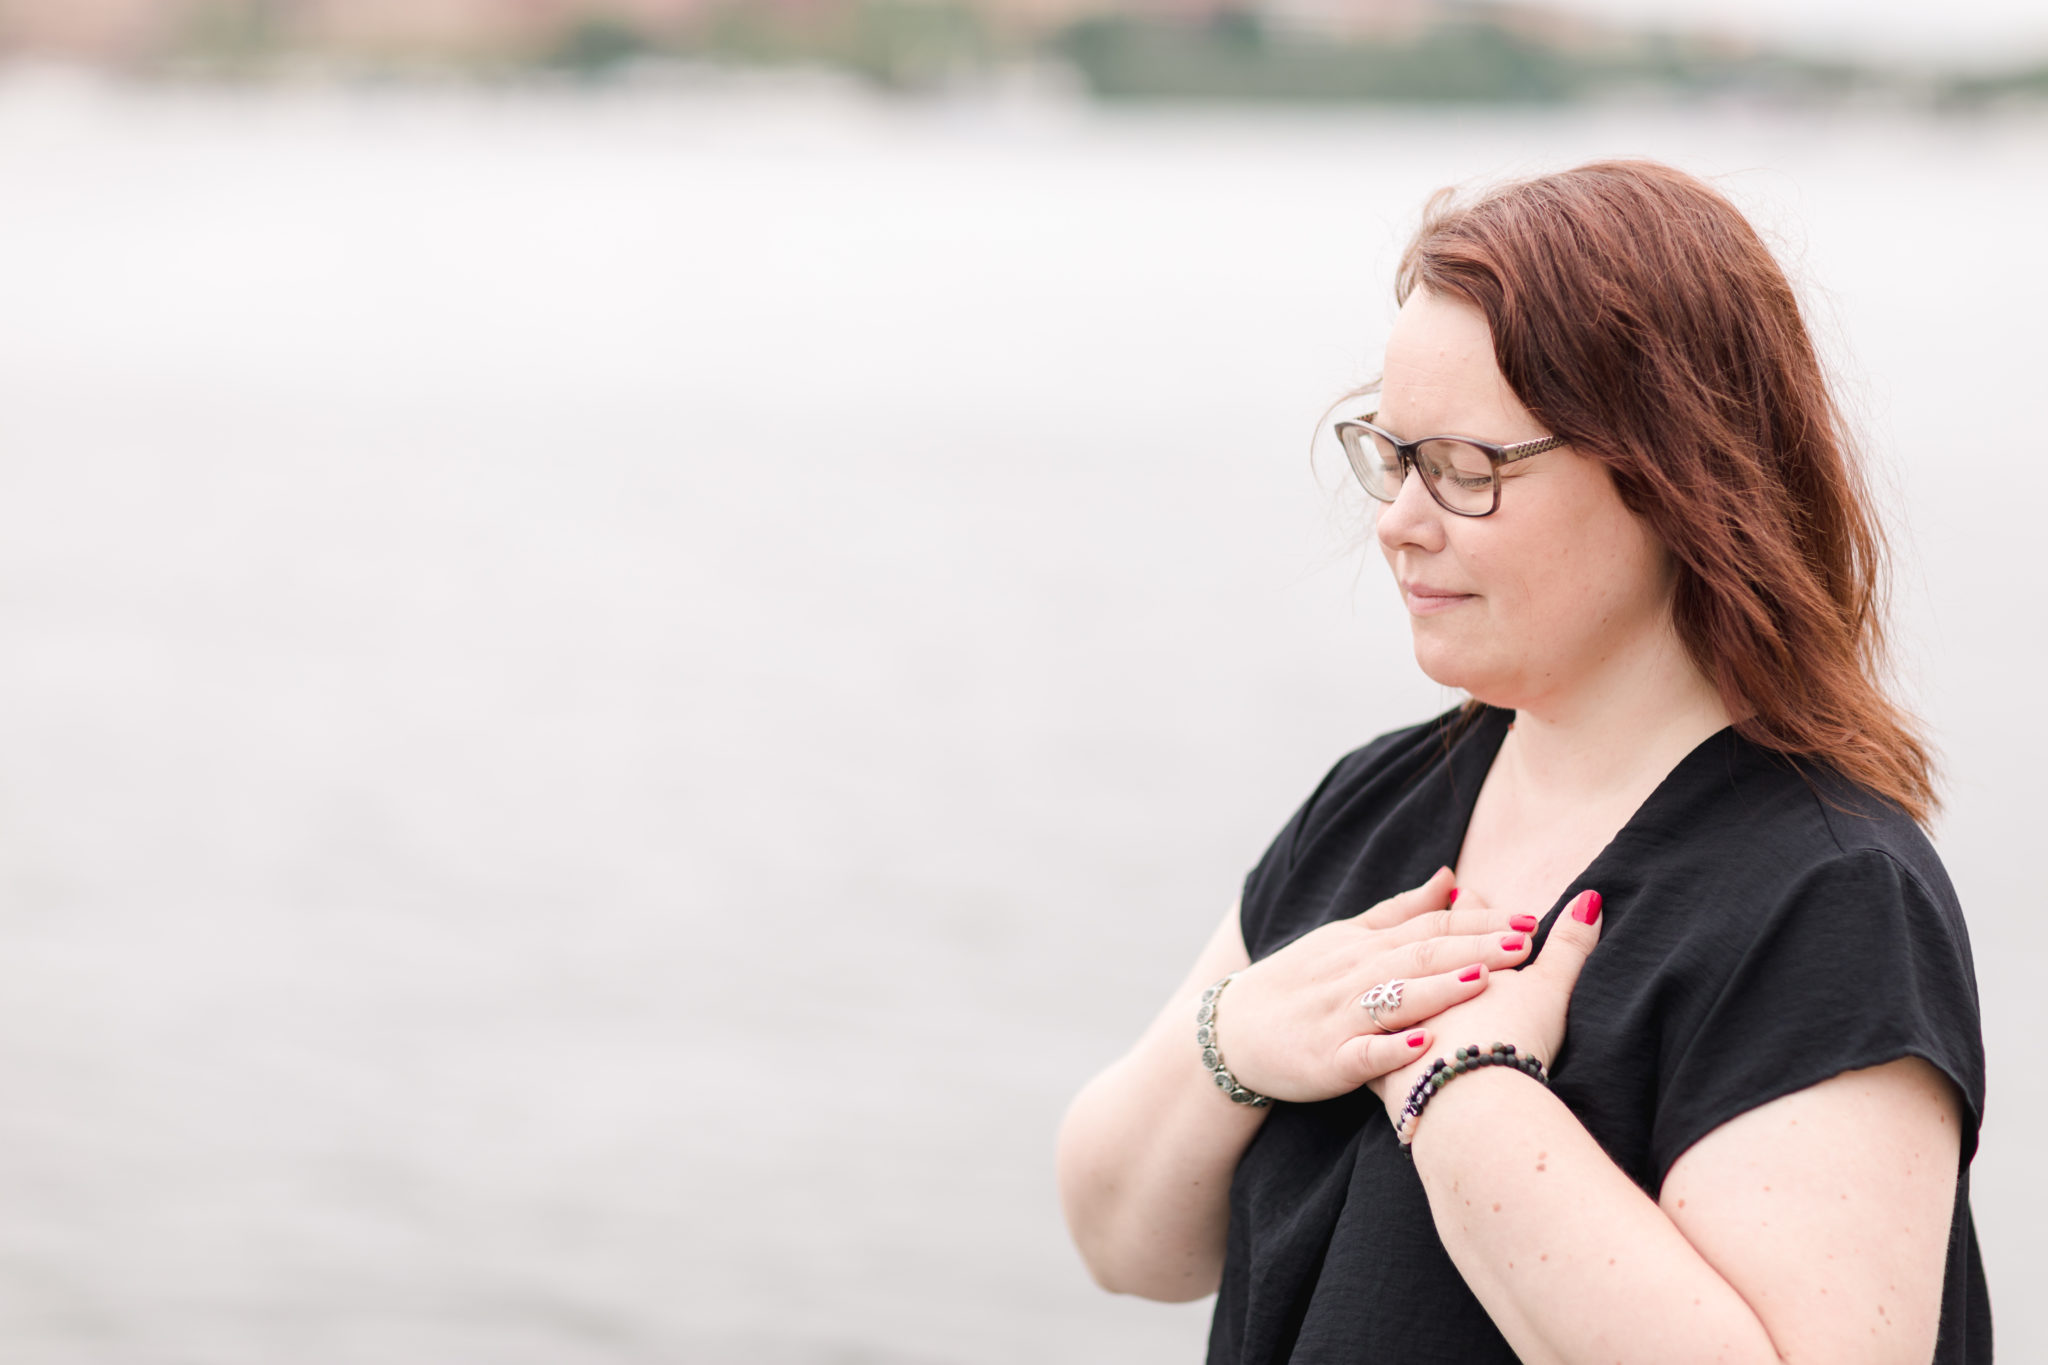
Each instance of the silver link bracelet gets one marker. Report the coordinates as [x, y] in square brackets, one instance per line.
[1212, 1050]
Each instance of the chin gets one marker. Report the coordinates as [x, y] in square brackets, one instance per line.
[1442, 661]
[1460, 670]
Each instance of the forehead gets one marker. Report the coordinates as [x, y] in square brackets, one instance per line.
[1440, 371]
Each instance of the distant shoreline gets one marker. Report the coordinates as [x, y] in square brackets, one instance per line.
[1043, 84]
[1231, 52]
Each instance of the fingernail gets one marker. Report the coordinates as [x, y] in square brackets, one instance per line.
[1415, 1039]
[1471, 973]
[1511, 944]
[1525, 923]
[1588, 908]
[1454, 895]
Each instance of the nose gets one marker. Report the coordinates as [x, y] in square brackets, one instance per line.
[1412, 520]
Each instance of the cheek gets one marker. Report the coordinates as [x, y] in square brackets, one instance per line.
[1561, 584]
[1609, 579]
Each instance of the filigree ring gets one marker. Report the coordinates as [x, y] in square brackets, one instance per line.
[1385, 996]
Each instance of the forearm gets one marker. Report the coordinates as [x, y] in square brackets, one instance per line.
[1570, 1258]
[1146, 1156]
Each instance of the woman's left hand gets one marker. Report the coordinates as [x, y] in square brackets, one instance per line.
[1525, 1006]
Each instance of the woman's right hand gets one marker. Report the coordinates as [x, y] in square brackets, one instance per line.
[1291, 1025]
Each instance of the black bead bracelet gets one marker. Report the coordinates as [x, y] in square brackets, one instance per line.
[1439, 1075]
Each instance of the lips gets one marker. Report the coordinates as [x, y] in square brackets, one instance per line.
[1424, 600]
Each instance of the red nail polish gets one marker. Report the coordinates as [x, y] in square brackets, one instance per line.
[1525, 923]
[1471, 973]
[1588, 908]
[1454, 895]
[1415, 1038]
[1511, 944]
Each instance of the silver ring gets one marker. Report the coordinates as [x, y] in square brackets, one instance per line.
[1385, 996]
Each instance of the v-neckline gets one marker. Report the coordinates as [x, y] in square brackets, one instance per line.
[1485, 739]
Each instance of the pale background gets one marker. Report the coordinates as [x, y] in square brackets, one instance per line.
[1992, 32]
[607, 701]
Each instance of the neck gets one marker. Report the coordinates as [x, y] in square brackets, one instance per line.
[1618, 731]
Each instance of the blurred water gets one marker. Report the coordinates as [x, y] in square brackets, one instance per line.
[606, 704]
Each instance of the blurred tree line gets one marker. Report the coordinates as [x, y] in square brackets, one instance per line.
[1496, 51]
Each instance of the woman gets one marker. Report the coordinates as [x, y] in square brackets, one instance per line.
[1680, 822]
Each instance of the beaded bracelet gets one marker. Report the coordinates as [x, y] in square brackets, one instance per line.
[1439, 1075]
[1212, 1050]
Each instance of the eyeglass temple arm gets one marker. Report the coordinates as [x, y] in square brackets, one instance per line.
[1520, 450]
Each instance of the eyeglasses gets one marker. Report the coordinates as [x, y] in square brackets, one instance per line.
[1462, 474]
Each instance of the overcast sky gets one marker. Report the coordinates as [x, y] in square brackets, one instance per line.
[1988, 30]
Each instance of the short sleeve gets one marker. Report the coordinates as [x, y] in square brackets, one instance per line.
[1861, 963]
[1263, 881]
[1263, 884]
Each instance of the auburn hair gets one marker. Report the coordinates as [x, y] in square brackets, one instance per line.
[1636, 313]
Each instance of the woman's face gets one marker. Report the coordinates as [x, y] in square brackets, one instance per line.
[1531, 604]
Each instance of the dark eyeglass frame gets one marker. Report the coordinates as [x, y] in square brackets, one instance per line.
[1496, 455]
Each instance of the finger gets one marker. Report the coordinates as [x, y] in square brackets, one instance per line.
[1423, 998]
[1573, 936]
[1433, 894]
[1433, 955]
[1373, 1055]
[1461, 921]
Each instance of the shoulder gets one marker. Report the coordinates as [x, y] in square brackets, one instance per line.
[1393, 762]
[1372, 825]
[1762, 856]
[1379, 774]
[1873, 833]
[1808, 916]
[1781, 831]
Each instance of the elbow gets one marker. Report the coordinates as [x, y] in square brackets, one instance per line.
[1133, 1277]
[1108, 1276]
[1123, 1260]
[1140, 1262]
[1093, 1236]
[1124, 1249]
[1186, 1290]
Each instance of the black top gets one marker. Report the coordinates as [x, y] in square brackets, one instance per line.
[1745, 900]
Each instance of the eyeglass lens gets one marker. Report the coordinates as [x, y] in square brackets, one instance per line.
[1460, 474]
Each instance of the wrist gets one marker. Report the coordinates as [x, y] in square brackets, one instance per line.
[1461, 1065]
[1208, 1038]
